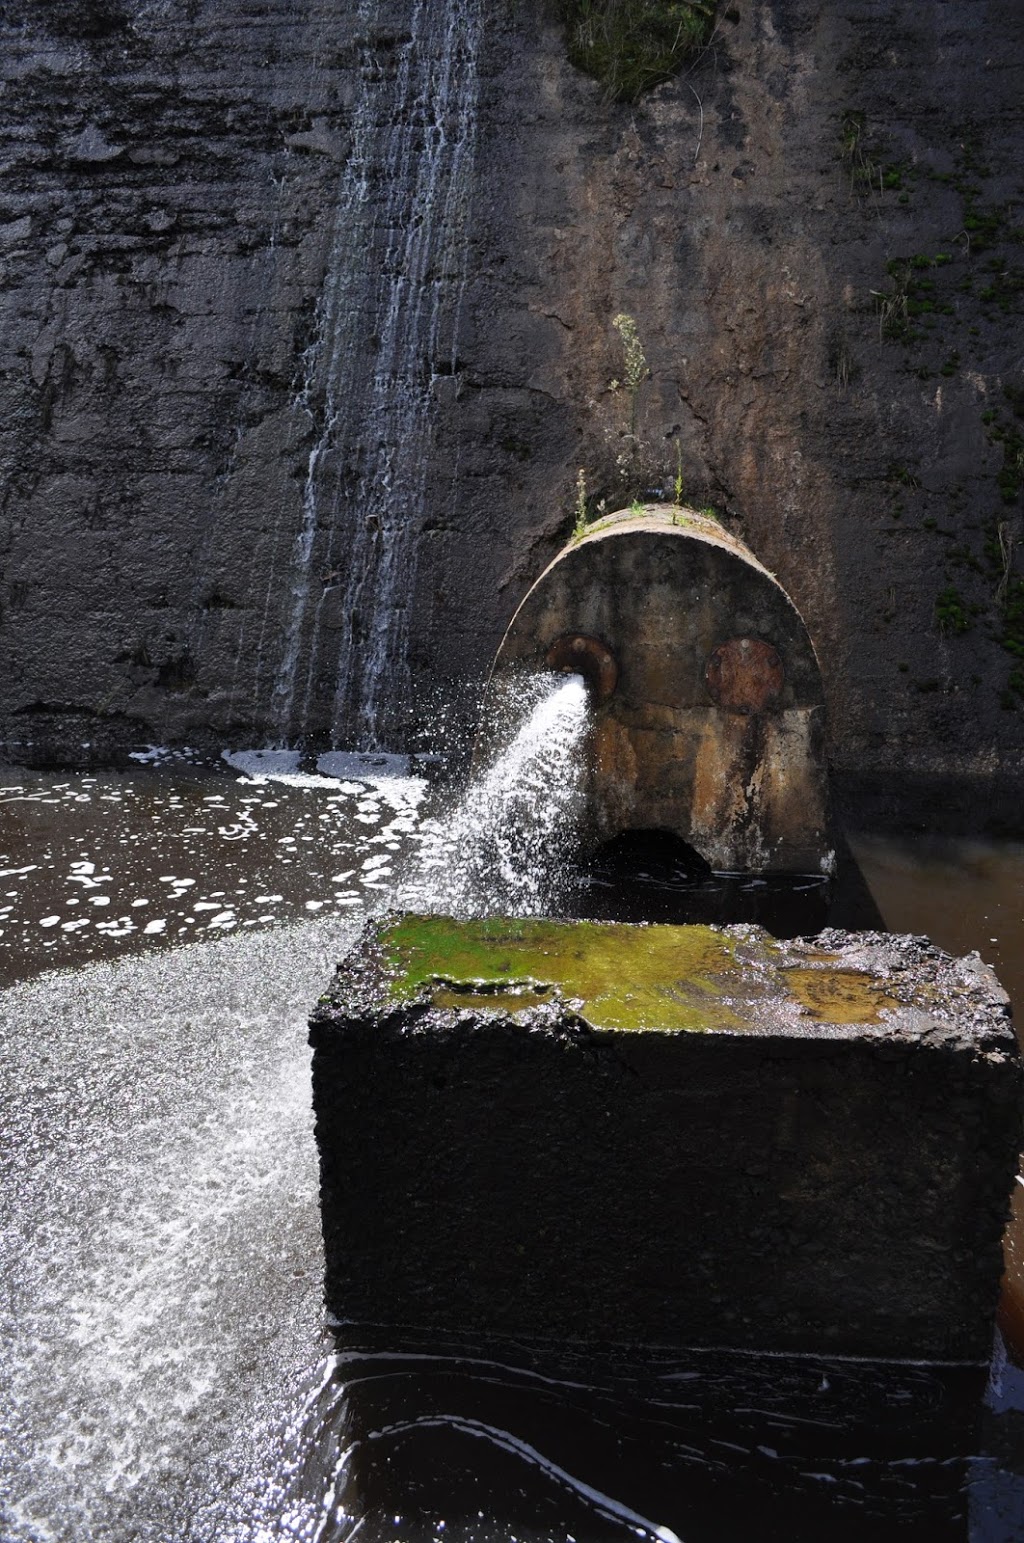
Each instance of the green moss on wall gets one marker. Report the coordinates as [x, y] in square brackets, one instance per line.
[632, 45]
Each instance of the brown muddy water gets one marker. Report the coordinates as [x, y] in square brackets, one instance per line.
[167, 1374]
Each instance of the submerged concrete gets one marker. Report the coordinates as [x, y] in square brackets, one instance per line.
[674, 1136]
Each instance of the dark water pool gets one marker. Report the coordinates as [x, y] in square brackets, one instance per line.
[97, 866]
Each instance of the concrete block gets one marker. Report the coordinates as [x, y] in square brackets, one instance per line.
[678, 1136]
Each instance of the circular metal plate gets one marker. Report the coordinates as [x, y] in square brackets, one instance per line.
[745, 675]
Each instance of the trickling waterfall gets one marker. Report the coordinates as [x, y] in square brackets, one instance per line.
[386, 333]
[504, 849]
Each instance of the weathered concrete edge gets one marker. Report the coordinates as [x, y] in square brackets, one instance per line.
[414, 1027]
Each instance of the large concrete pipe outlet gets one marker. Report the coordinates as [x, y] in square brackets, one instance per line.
[708, 711]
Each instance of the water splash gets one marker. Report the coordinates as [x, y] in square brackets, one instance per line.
[506, 847]
[159, 1237]
[385, 342]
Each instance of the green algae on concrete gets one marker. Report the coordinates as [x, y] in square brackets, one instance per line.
[617, 976]
[614, 976]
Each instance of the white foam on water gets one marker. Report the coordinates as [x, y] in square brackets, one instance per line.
[347, 772]
[154, 755]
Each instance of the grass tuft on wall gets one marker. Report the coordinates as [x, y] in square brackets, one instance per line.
[632, 45]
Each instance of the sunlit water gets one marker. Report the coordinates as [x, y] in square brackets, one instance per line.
[166, 1373]
[92, 866]
[160, 1251]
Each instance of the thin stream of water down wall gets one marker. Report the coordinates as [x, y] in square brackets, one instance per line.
[505, 848]
[386, 334]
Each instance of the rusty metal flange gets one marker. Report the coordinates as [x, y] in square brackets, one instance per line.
[745, 675]
[576, 654]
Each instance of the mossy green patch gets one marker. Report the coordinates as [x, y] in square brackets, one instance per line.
[632, 45]
[620, 977]
[616, 977]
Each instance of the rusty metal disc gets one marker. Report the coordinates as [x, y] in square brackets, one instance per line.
[576, 654]
[745, 675]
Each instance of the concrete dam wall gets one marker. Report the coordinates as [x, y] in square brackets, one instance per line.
[251, 494]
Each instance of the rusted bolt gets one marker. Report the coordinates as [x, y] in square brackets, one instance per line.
[745, 675]
[576, 654]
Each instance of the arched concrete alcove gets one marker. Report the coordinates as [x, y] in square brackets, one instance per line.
[708, 709]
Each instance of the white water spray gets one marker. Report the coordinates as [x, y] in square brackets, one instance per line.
[504, 849]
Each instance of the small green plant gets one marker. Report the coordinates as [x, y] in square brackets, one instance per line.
[868, 174]
[1013, 619]
[579, 527]
[961, 556]
[912, 300]
[863, 171]
[982, 227]
[892, 178]
[1004, 542]
[634, 360]
[1012, 640]
[636, 507]
[1005, 285]
[852, 137]
[1010, 476]
[632, 45]
[951, 613]
[711, 513]
[892, 306]
[677, 481]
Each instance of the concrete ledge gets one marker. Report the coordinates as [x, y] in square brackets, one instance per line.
[666, 1136]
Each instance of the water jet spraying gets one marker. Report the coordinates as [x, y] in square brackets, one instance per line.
[507, 845]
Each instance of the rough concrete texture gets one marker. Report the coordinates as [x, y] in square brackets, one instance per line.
[171, 173]
[714, 728]
[666, 1136]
